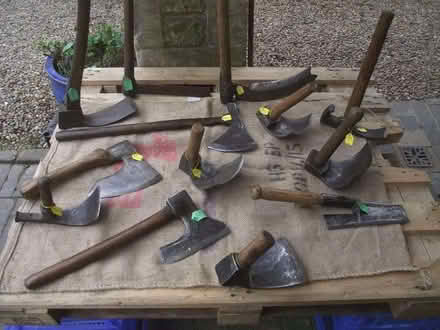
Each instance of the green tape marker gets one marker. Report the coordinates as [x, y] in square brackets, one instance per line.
[128, 85]
[363, 207]
[198, 215]
[73, 95]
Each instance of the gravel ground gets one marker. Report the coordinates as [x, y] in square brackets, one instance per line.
[287, 33]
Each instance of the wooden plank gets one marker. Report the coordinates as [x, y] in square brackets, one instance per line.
[403, 175]
[210, 75]
[424, 218]
[34, 316]
[243, 315]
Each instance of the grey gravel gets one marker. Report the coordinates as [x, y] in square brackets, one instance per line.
[26, 101]
[335, 33]
[332, 33]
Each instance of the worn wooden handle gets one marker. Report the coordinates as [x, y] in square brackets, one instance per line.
[192, 152]
[270, 194]
[255, 249]
[45, 192]
[98, 157]
[99, 250]
[278, 109]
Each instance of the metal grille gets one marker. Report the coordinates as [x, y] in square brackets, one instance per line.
[416, 156]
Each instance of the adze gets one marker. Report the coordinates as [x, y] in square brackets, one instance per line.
[366, 70]
[276, 125]
[201, 231]
[83, 214]
[264, 263]
[257, 91]
[339, 174]
[363, 213]
[203, 174]
[136, 172]
[73, 115]
[236, 138]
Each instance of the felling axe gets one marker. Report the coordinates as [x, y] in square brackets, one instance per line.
[339, 174]
[236, 138]
[201, 231]
[264, 263]
[275, 124]
[73, 115]
[135, 174]
[203, 174]
[258, 91]
[363, 213]
[366, 70]
[83, 214]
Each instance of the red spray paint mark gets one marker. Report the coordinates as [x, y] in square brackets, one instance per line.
[127, 201]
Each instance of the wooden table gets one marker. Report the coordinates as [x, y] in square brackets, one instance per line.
[411, 294]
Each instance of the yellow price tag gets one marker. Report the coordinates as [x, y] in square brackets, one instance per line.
[240, 90]
[227, 118]
[265, 111]
[196, 172]
[137, 156]
[361, 129]
[58, 211]
[349, 139]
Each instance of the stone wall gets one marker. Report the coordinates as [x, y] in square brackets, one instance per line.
[183, 32]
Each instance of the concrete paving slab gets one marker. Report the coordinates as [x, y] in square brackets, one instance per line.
[401, 108]
[415, 138]
[435, 185]
[7, 207]
[4, 172]
[7, 156]
[409, 123]
[27, 175]
[10, 185]
[31, 156]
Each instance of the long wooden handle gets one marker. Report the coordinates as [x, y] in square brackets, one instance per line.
[278, 109]
[99, 250]
[351, 119]
[192, 152]
[224, 51]
[255, 249]
[129, 49]
[370, 60]
[140, 128]
[98, 157]
[45, 192]
[280, 195]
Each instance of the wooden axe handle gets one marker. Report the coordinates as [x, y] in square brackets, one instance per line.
[98, 157]
[45, 192]
[280, 195]
[255, 249]
[278, 109]
[99, 250]
[192, 152]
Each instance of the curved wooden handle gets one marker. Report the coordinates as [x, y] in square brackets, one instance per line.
[99, 157]
[192, 152]
[99, 250]
[45, 192]
[278, 109]
[280, 195]
[255, 249]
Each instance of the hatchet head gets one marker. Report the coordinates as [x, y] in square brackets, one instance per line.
[200, 232]
[236, 138]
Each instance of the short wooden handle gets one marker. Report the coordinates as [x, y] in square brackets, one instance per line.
[278, 109]
[192, 152]
[280, 195]
[45, 192]
[255, 249]
[98, 157]
[99, 250]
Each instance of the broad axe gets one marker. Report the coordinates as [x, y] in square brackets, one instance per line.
[365, 73]
[264, 263]
[201, 231]
[203, 174]
[134, 175]
[258, 91]
[339, 174]
[73, 115]
[276, 125]
[236, 138]
[83, 214]
[363, 213]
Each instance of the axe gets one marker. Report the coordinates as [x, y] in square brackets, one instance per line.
[201, 231]
[134, 175]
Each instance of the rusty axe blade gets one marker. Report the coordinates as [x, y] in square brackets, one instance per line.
[236, 138]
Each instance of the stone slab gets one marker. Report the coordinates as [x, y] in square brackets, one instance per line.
[10, 185]
[415, 138]
[8, 207]
[31, 156]
[7, 156]
[4, 172]
[401, 108]
[27, 175]
[409, 123]
[435, 185]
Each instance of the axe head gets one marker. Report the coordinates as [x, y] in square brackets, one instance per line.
[120, 150]
[283, 127]
[236, 138]
[200, 231]
[110, 115]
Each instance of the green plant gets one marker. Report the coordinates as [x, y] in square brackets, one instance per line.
[104, 49]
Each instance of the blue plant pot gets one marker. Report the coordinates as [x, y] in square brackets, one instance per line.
[58, 82]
